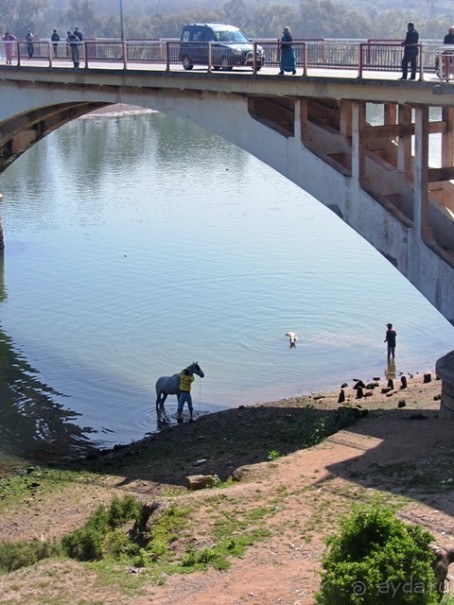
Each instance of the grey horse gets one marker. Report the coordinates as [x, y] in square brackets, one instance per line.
[170, 385]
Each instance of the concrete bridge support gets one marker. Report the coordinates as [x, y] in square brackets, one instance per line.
[2, 241]
[445, 370]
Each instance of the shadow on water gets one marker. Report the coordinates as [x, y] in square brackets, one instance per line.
[34, 427]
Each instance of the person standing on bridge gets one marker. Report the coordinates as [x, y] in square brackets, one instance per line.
[449, 38]
[447, 56]
[287, 60]
[29, 40]
[410, 45]
[10, 44]
[55, 40]
[78, 33]
[73, 42]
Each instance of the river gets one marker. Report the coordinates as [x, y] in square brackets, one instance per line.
[137, 244]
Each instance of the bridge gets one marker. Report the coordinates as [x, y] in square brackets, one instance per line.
[313, 128]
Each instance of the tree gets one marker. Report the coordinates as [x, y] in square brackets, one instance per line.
[236, 13]
[82, 14]
[24, 14]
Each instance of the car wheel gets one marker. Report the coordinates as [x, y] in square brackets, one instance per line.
[225, 64]
[259, 67]
[187, 62]
[216, 67]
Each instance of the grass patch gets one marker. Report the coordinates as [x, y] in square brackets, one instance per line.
[14, 490]
[232, 535]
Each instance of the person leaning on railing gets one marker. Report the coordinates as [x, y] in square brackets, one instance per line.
[410, 45]
[73, 42]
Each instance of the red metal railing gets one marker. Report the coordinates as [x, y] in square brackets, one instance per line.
[312, 56]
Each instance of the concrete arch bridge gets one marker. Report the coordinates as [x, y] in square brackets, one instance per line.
[314, 130]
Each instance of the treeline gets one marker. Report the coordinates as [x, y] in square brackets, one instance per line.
[145, 19]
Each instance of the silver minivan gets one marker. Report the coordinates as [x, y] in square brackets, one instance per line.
[229, 47]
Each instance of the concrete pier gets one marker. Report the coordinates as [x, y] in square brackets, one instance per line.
[445, 371]
[2, 241]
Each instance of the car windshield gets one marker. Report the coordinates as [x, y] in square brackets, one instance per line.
[230, 36]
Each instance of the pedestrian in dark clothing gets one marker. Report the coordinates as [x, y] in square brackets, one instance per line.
[449, 38]
[30, 47]
[55, 40]
[390, 338]
[410, 45]
[73, 42]
[78, 34]
[287, 59]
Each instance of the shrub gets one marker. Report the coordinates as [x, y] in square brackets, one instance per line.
[123, 510]
[84, 544]
[102, 533]
[376, 559]
[21, 554]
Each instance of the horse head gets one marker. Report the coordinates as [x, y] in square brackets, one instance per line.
[194, 368]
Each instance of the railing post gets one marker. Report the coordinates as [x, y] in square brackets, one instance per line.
[49, 45]
[360, 61]
[124, 52]
[421, 62]
[86, 54]
[254, 58]
[210, 64]
[304, 60]
[167, 56]
[18, 53]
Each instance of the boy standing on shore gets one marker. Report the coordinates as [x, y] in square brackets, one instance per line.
[390, 338]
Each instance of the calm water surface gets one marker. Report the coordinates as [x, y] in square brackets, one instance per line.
[138, 244]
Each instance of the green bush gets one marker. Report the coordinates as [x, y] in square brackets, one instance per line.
[376, 559]
[21, 554]
[84, 544]
[121, 511]
[102, 533]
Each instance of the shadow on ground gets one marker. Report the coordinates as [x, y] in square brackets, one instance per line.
[407, 452]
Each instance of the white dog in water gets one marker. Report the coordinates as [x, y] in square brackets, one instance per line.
[292, 337]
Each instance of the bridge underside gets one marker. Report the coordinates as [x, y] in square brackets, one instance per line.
[381, 157]
[20, 132]
[376, 178]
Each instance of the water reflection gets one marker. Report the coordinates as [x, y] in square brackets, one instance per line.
[34, 426]
[390, 370]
